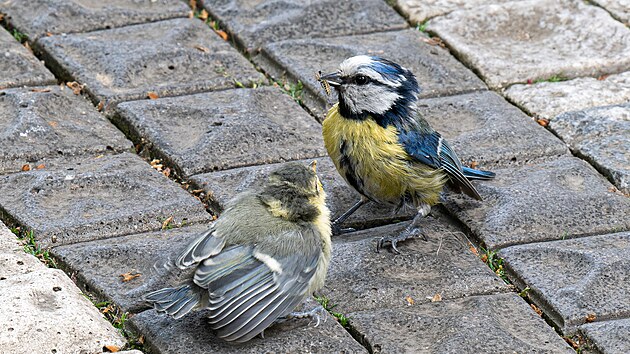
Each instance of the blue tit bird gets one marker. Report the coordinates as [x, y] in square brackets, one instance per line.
[265, 254]
[383, 147]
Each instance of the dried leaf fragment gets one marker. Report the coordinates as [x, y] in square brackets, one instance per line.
[602, 78]
[536, 309]
[100, 106]
[112, 348]
[410, 300]
[590, 317]
[203, 14]
[436, 298]
[129, 276]
[473, 249]
[167, 222]
[474, 164]
[543, 121]
[40, 166]
[166, 172]
[26, 167]
[152, 95]
[75, 87]
[201, 48]
[222, 34]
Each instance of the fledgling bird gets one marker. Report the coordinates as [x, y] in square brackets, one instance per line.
[383, 147]
[264, 255]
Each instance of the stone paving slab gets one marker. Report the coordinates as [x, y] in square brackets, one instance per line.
[360, 279]
[485, 128]
[602, 136]
[254, 23]
[192, 334]
[43, 311]
[98, 265]
[224, 185]
[221, 130]
[100, 198]
[608, 337]
[18, 66]
[549, 99]
[49, 122]
[42, 17]
[620, 9]
[438, 72]
[480, 324]
[537, 39]
[169, 58]
[418, 11]
[553, 200]
[572, 280]
[43, 303]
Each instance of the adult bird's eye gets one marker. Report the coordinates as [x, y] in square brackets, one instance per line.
[361, 80]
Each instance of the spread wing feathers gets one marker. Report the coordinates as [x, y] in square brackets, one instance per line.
[431, 149]
[246, 295]
[206, 245]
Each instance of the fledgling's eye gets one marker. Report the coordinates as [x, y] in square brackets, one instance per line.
[361, 79]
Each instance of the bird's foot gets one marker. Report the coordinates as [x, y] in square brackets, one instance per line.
[315, 314]
[403, 236]
[338, 230]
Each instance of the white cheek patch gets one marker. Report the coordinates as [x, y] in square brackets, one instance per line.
[370, 98]
[269, 261]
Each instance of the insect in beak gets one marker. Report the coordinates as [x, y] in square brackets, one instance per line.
[332, 79]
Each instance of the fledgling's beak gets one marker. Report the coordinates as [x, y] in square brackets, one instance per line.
[333, 79]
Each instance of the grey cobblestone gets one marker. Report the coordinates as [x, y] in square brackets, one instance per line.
[98, 265]
[169, 58]
[254, 23]
[43, 17]
[99, 198]
[18, 66]
[608, 337]
[602, 136]
[360, 279]
[42, 310]
[484, 128]
[549, 99]
[438, 73]
[620, 9]
[418, 11]
[536, 39]
[479, 324]
[575, 281]
[46, 123]
[554, 200]
[227, 129]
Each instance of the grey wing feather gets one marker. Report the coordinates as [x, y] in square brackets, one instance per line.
[206, 245]
[246, 296]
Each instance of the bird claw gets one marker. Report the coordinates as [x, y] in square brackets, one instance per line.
[338, 230]
[403, 236]
[315, 313]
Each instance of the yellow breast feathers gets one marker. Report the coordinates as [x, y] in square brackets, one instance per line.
[372, 160]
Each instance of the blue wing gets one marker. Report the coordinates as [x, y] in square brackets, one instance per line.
[432, 150]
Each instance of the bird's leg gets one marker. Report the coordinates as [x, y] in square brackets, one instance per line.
[316, 313]
[336, 228]
[412, 230]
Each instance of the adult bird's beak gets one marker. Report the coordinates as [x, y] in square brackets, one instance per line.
[333, 79]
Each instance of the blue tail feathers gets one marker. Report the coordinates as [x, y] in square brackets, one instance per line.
[473, 174]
